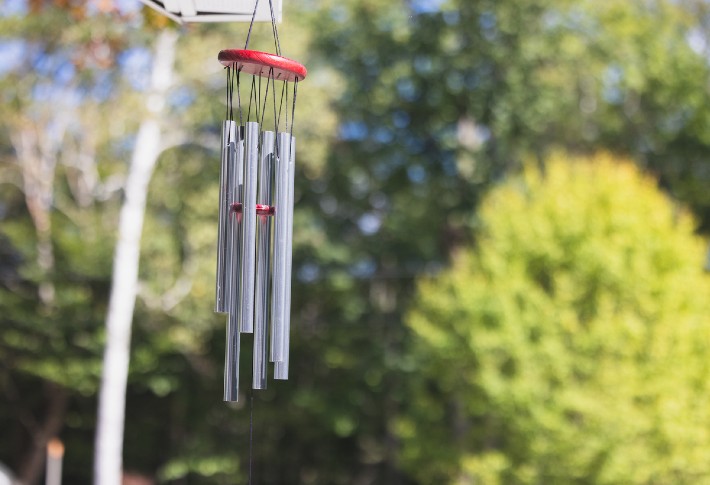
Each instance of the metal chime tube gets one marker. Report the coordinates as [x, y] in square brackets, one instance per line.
[263, 261]
[251, 160]
[280, 247]
[234, 257]
[231, 360]
[228, 130]
[281, 367]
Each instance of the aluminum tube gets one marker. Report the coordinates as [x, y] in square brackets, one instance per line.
[234, 293]
[231, 360]
[231, 364]
[228, 131]
[232, 254]
[280, 247]
[251, 160]
[263, 261]
[281, 367]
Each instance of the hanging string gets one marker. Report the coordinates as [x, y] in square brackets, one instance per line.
[251, 432]
[231, 96]
[274, 29]
[229, 100]
[266, 94]
[293, 106]
[252, 96]
[273, 95]
[239, 98]
[251, 24]
[281, 103]
[285, 90]
[258, 100]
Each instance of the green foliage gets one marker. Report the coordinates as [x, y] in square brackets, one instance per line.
[569, 344]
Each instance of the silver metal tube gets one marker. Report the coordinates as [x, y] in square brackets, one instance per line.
[231, 360]
[280, 247]
[263, 261]
[281, 367]
[251, 159]
[232, 290]
[228, 130]
[232, 253]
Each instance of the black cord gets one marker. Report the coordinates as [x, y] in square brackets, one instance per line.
[251, 431]
[226, 115]
[231, 96]
[274, 29]
[266, 94]
[273, 95]
[252, 95]
[251, 24]
[239, 98]
[293, 109]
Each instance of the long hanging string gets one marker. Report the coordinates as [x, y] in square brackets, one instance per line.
[251, 432]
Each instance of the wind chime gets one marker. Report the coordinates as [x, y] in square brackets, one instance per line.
[253, 284]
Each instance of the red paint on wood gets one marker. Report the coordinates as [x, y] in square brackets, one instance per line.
[263, 64]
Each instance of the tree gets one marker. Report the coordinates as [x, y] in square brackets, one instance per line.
[124, 288]
[55, 199]
[441, 99]
[569, 344]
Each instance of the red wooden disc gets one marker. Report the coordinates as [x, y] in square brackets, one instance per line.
[261, 64]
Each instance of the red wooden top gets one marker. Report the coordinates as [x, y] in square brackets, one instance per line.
[260, 64]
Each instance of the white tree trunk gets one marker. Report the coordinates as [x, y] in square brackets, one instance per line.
[112, 393]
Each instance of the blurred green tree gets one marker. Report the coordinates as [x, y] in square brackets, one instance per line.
[56, 232]
[439, 99]
[569, 345]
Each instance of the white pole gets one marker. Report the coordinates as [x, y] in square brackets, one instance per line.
[55, 455]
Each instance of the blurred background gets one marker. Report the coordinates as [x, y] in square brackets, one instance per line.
[499, 255]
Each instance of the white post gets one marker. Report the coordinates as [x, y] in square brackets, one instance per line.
[55, 455]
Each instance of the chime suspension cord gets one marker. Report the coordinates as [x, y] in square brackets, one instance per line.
[239, 99]
[254, 97]
[284, 89]
[275, 31]
[230, 97]
[251, 431]
[229, 94]
[266, 95]
[273, 95]
[293, 106]
[277, 43]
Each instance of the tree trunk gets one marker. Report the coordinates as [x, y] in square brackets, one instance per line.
[112, 394]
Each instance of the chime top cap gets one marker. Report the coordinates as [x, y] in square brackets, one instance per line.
[263, 64]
